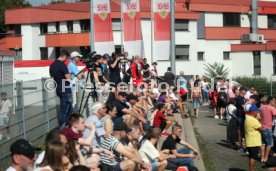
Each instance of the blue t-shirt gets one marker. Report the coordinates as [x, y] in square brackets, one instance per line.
[73, 70]
[58, 70]
[182, 82]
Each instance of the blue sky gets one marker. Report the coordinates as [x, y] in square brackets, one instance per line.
[39, 2]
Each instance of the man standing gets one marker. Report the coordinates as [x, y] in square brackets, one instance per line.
[267, 113]
[74, 71]
[22, 156]
[114, 67]
[5, 114]
[169, 77]
[146, 70]
[62, 77]
[240, 105]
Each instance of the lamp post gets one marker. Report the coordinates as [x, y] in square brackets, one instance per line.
[172, 55]
[92, 35]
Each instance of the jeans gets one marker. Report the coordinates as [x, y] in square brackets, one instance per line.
[182, 161]
[205, 95]
[66, 108]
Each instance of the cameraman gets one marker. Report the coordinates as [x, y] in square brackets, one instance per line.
[115, 69]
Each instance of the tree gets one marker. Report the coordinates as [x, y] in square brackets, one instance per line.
[8, 4]
[57, 1]
[216, 70]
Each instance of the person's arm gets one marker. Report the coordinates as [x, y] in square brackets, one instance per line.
[96, 76]
[179, 155]
[108, 126]
[89, 139]
[133, 114]
[115, 63]
[104, 151]
[187, 145]
[130, 154]
[82, 160]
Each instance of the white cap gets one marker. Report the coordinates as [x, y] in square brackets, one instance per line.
[75, 54]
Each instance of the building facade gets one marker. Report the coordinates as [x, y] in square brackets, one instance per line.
[205, 31]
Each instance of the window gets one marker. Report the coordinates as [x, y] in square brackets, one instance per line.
[271, 21]
[116, 25]
[70, 26]
[57, 50]
[118, 48]
[44, 53]
[257, 63]
[200, 56]
[57, 27]
[274, 62]
[43, 28]
[17, 29]
[182, 52]
[231, 19]
[181, 25]
[85, 25]
[226, 55]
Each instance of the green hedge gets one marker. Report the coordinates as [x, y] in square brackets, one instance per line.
[261, 84]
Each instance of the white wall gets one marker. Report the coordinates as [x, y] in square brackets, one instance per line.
[31, 42]
[52, 27]
[266, 63]
[242, 64]
[262, 21]
[213, 19]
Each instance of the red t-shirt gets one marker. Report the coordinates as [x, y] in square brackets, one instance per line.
[70, 134]
[158, 118]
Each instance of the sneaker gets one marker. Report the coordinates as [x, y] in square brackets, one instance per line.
[165, 134]
[221, 117]
[216, 117]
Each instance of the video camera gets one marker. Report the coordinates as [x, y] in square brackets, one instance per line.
[89, 59]
[124, 59]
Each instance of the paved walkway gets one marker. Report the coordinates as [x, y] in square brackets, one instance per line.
[211, 136]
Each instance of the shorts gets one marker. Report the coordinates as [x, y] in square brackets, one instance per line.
[4, 121]
[267, 138]
[196, 103]
[184, 97]
[253, 152]
[154, 165]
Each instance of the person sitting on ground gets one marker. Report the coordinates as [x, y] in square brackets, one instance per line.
[253, 129]
[120, 151]
[184, 156]
[107, 119]
[149, 153]
[55, 158]
[22, 156]
[133, 135]
[161, 120]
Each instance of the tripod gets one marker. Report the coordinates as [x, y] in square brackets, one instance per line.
[92, 93]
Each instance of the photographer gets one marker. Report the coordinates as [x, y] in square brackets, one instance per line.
[115, 69]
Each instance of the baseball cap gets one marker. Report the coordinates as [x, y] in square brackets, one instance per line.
[75, 54]
[23, 147]
[124, 94]
[121, 126]
[255, 97]
[106, 55]
[253, 108]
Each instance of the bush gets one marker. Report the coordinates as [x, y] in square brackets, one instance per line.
[261, 84]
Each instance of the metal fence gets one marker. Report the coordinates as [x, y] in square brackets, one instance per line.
[34, 114]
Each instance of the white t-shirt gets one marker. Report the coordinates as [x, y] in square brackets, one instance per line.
[5, 106]
[247, 95]
[230, 110]
[148, 152]
[42, 168]
[40, 158]
[10, 169]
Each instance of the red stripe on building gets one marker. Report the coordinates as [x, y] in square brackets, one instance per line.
[269, 34]
[219, 8]
[37, 63]
[103, 28]
[162, 27]
[10, 42]
[132, 27]
[247, 47]
[225, 33]
[67, 40]
[271, 45]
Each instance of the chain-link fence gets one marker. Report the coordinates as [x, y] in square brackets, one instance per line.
[32, 114]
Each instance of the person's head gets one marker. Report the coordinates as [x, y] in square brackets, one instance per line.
[99, 109]
[111, 110]
[76, 56]
[106, 56]
[254, 111]
[121, 129]
[197, 77]
[169, 69]
[232, 101]
[98, 59]
[253, 99]
[122, 96]
[270, 101]
[161, 107]
[176, 130]
[79, 168]
[196, 84]
[76, 122]
[55, 156]
[22, 154]
[135, 132]
[145, 60]
[252, 90]
[126, 54]
[154, 133]
[55, 135]
[64, 55]
[181, 73]
[114, 55]
[242, 91]
[154, 64]
[3, 96]
[132, 99]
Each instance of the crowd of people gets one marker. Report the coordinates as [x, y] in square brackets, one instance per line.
[122, 131]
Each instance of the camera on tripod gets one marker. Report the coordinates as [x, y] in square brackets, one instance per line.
[124, 59]
[89, 59]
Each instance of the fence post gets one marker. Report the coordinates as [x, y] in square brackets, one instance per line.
[271, 85]
[21, 114]
[45, 104]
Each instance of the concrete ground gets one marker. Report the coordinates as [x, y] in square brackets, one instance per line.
[211, 137]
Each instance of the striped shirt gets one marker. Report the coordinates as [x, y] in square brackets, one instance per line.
[110, 144]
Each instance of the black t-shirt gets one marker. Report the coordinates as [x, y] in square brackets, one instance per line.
[119, 106]
[99, 69]
[114, 72]
[146, 66]
[58, 70]
[222, 97]
[240, 101]
[169, 78]
[170, 143]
